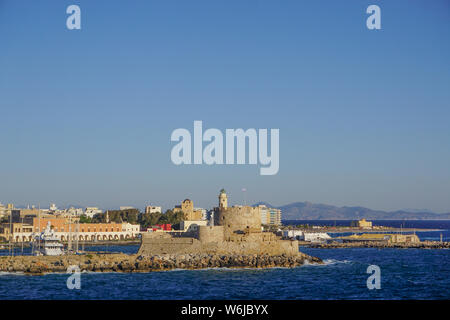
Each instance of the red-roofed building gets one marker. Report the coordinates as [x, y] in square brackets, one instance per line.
[161, 227]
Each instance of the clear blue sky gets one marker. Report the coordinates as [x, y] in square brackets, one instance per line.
[86, 115]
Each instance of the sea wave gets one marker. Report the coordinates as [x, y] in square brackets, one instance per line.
[6, 273]
[326, 262]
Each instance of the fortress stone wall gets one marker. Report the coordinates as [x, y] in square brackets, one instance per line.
[237, 220]
[209, 234]
[236, 230]
[263, 243]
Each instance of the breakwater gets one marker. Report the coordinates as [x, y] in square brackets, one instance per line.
[379, 244]
[137, 263]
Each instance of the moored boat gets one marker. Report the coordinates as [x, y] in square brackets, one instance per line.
[49, 244]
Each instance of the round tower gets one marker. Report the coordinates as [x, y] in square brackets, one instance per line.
[223, 200]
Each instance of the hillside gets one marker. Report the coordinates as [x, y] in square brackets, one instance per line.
[312, 211]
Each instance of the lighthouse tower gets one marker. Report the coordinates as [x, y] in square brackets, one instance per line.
[223, 200]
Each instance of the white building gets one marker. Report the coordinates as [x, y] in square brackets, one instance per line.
[315, 236]
[2, 210]
[132, 229]
[126, 208]
[75, 211]
[204, 213]
[92, 211]
[85, 232]
[65, 213]
[306, 236]
[292, 234]
[153, 209]
[192, 225]
[270, 216]
[264, 211]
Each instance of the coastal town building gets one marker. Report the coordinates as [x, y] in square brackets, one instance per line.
[92, 211]
[160, 227]
[5, 211]
[362, 224]
[382, 237]
[64, 229]
[27, 215]
[270, 216]
[2, 211]
[306, 236]
[264, 213]
[187, 207]
[126, 207]
[204, 213]
[192, 225]
[274, 217]
[404, 238]
[153, 209]
[71, 212]
[315, 237]
[292, 234]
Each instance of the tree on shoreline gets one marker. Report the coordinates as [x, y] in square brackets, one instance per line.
[149, 219]
[134, 216]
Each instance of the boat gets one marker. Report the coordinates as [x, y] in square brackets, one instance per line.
[49, 244]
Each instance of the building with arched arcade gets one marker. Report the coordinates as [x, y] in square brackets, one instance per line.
[64, 230]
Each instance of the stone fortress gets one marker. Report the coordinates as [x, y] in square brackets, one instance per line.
[187, 207]
[236, 230]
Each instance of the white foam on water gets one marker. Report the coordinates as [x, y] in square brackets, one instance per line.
[5, 273]
[233, 269]
[326, 262]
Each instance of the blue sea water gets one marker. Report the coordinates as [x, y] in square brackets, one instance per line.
[405, 274]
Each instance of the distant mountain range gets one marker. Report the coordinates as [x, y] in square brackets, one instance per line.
[312, 211]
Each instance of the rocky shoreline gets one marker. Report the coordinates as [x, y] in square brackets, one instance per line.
[5, 245]
[134, 263]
